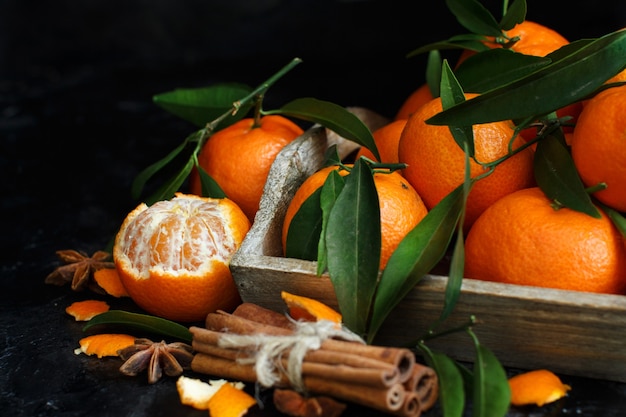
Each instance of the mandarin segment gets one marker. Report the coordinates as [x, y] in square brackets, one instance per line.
[173, 256]
[106, 344]
[521, 239]
[309, 309]
[87, 309]
[537, 387]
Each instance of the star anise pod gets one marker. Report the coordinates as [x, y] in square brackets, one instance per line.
[79, 268]
[157, 358]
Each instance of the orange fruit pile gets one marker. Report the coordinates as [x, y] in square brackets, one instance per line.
[173, 256]
[401, 207]
[522, 239]
[239, 158]
[436, 163]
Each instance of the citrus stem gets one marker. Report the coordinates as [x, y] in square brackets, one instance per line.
[431, 334]
[595, 188]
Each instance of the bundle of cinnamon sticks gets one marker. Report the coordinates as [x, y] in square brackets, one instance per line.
[384, 378]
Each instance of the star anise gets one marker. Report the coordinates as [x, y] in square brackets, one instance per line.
[157, 358]
[79, 269]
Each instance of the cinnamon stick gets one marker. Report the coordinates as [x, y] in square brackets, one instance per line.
[383, 399]
[423, 381]
[263, 315]
[339, 366]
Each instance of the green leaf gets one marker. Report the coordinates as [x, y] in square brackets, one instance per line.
[304, 230]
[474, 16]
[433, 72]
[332, 116]
[202, 105]
[557, 176]
[547, 89]
[470, 42]
[495, 68]
[144, 176]
[353, 239]
[419, 252]
[452, 94]
[492, 395]
[210, 187]
[169, 188]
[141, 322]
[451, 386]
[616, 217]
[330, 191]
[515, 14]
[455, 277]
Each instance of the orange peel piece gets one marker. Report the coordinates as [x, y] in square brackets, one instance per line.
[109, 280]
[230, 401]
[197, 393]
[87, 309]
[537, 387]
[309, 309]
[106, 344]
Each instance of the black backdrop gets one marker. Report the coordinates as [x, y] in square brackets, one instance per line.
[77, 124]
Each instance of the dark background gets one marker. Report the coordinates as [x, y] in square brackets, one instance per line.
[77, 124]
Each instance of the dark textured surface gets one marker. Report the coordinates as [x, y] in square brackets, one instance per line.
[77, 124]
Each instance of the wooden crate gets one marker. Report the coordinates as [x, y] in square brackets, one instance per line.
[568, 332]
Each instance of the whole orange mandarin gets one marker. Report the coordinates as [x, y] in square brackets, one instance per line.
[436, 163]
[414, 101]
[386, 139]
[521, 239]
[537, 40]
[173, 256]
[239, 158]
[401, 208]
[599, 146]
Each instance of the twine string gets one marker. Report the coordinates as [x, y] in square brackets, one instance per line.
[271, 349]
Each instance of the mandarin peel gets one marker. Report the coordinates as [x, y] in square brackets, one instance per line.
[538, 387]
[230, 401]
[106, 344]
[109, 280]
[87, 309]
[196, 393]
[309, 309]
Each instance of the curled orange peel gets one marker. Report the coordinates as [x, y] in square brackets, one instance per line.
[537, 387]
[230, 401]
[309, 309]
[109, 280]
[106, 344]
[87, 309]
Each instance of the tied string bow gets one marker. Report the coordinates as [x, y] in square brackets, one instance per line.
[271, 349]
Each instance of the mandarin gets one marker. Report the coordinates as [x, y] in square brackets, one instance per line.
[532, 38]
[414, 101]
[401, 207]
[599, 146]
[173, 256]
[386, 139]
[436, 163]
[239, 158]
[522, 239]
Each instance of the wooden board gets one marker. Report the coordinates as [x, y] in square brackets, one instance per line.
[526, 327]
